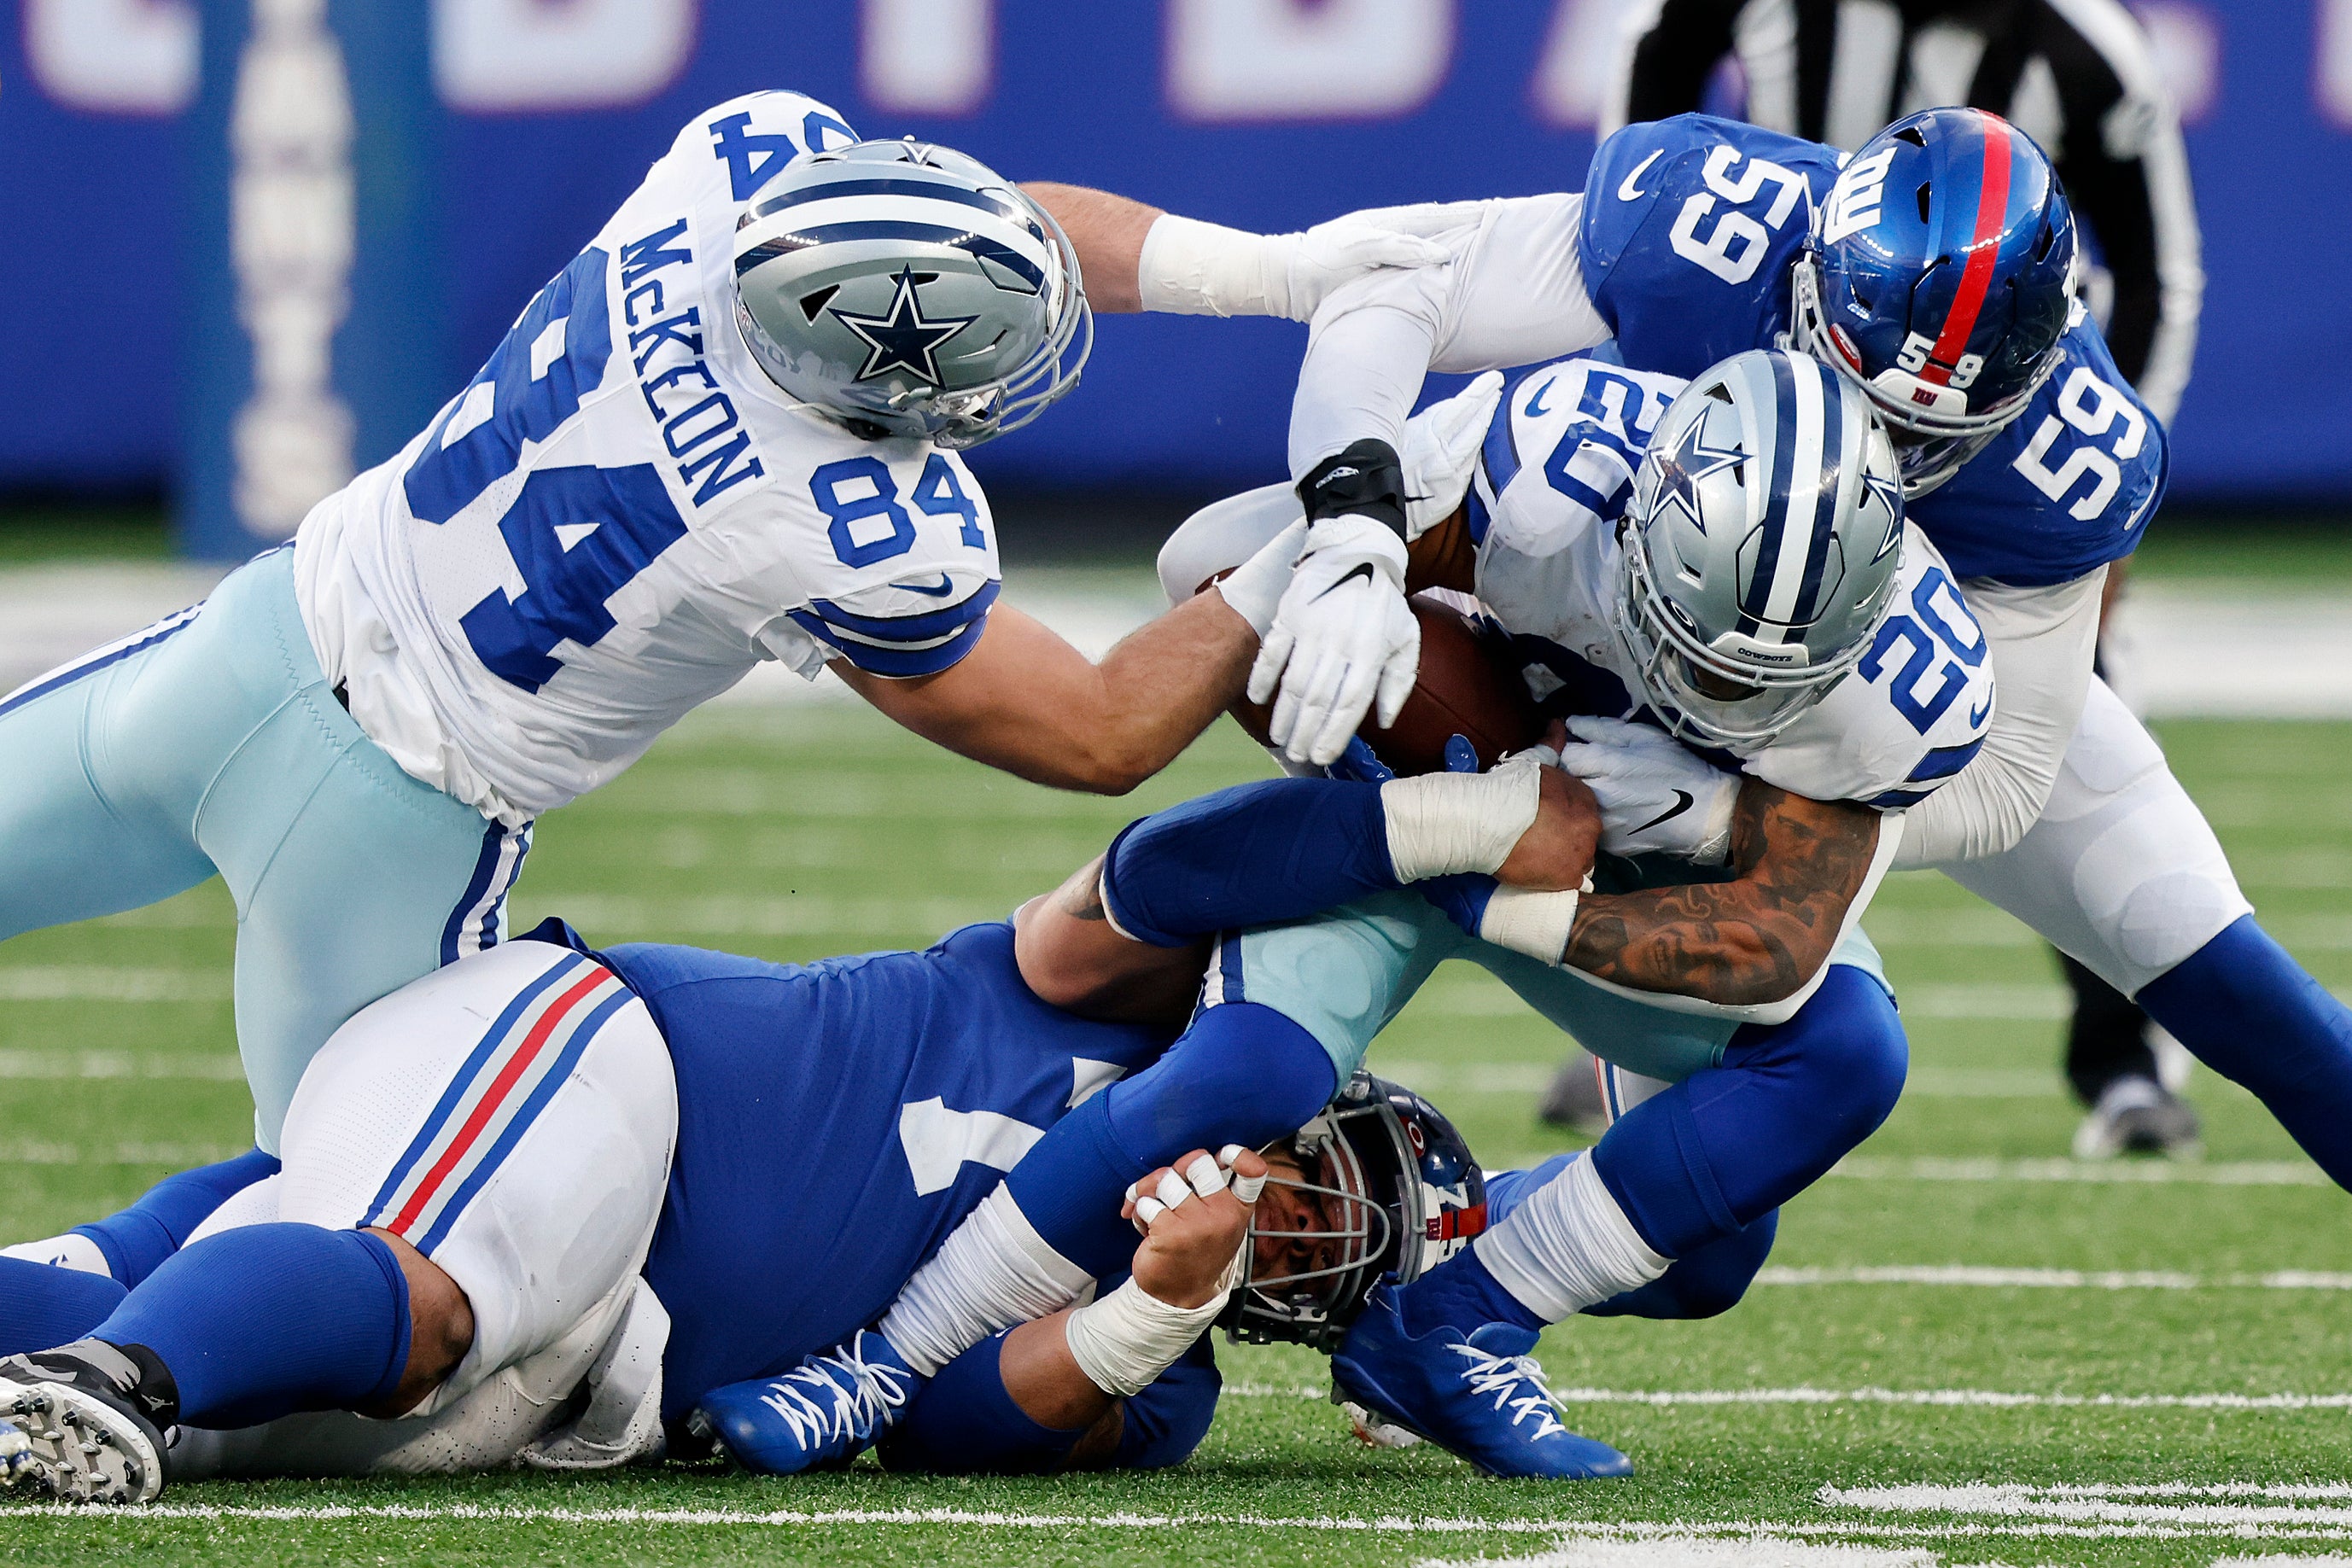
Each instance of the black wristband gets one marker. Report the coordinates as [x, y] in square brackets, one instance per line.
[1365, 481]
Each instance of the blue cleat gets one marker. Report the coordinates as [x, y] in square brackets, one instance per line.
[821, 1415]
[1481, 1398]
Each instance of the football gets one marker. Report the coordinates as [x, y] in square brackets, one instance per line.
[1467, 686]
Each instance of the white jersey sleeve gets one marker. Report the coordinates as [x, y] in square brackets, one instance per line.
[1514, 294]
[621, 513]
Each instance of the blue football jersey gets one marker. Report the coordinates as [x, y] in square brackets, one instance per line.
[836, 1121]
[1690, 231]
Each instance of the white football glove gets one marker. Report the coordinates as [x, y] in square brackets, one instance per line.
[1343, 641]
[1654, 795]
[1344, 249]
[1442, 443]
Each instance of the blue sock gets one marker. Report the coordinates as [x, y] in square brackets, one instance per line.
[1725, 1147]
[266, 1319]
[161, 1222]
[966, 1421]
[1242, 1073]
[1461, 1294]
[1700, 1284]
[43, 1306]
[2250, 1012]
[1281, 849]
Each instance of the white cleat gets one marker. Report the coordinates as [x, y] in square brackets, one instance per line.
[75, 1445]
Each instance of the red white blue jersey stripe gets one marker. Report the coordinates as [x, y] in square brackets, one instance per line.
[493, 1099]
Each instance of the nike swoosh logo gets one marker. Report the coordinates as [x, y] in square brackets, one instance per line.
[1625, 192]
[1536, 404]
[1363, 569]
[1978, 715]
[946, 587]
[1683, 802]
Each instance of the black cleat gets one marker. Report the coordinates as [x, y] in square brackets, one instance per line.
[74, 1425]
[2136, 1116]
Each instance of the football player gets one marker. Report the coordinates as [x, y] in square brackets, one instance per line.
[542, 1172]
[728, 430]
[1933, 269]
[1767, 607]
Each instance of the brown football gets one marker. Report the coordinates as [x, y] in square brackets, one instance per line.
[1467, 686]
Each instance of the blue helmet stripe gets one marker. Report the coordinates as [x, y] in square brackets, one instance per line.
[1003, 256]
[1825, 498]
[1754, 603]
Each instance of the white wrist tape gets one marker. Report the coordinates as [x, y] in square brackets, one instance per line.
[1190, 268]
[1441, 823]
[1126, 1340]
[1524, 921]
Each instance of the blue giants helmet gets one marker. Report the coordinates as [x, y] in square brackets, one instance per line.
[1940, 279]
[1398, 1191]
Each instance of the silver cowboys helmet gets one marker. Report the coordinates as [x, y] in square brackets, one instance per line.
[907, 289]
[1761, 549]
[1397, 1192]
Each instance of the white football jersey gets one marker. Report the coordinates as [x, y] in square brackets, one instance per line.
[1552, 480]
[622, 514]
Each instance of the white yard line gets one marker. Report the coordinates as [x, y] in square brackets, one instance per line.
[2108, 1505]
[106, 983]
[32, 1152]
[1563, 1529]
[1976, 1398]
[217, 1066]
[2056, 1278]
[2159, 1172]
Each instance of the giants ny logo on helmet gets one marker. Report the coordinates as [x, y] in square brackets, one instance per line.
[908, 291]
[1940, 281]
[1761, 547]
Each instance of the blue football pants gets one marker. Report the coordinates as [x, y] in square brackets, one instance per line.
[210, 743]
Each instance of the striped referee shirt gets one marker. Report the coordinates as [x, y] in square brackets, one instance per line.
[2078, 76]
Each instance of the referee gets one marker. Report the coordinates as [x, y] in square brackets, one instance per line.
[2079, 77]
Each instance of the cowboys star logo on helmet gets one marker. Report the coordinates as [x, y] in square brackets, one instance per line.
[903, 337]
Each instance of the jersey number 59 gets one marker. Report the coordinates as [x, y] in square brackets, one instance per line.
[1734, 247]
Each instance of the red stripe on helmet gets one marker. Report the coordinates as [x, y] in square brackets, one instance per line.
[1992, 208]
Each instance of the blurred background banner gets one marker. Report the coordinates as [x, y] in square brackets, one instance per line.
[288, 228]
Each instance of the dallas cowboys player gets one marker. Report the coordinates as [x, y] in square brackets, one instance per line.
[1934, 269]
[1766, 606]
[728, 430]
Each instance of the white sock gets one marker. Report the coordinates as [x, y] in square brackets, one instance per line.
[994, 1272]
[67, 1251]
[1568, 1246]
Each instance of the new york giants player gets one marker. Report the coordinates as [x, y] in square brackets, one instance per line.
[727, 432]
[544, 1171]
[1766, 606]
[1933, 269]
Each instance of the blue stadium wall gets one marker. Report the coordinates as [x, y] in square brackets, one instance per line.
[480, 156]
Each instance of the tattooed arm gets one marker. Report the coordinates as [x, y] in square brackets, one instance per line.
[1759, 938]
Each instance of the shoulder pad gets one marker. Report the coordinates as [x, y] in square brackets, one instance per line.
[1915, 711]
[745, 141]
[1689, 228]
[2066, 487]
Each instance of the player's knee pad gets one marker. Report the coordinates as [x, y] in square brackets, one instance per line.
[1705, 1283]
[2122, 871]
[1221, 536]
[1244, 1074]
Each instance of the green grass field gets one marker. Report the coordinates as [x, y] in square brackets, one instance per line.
[788, 833]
